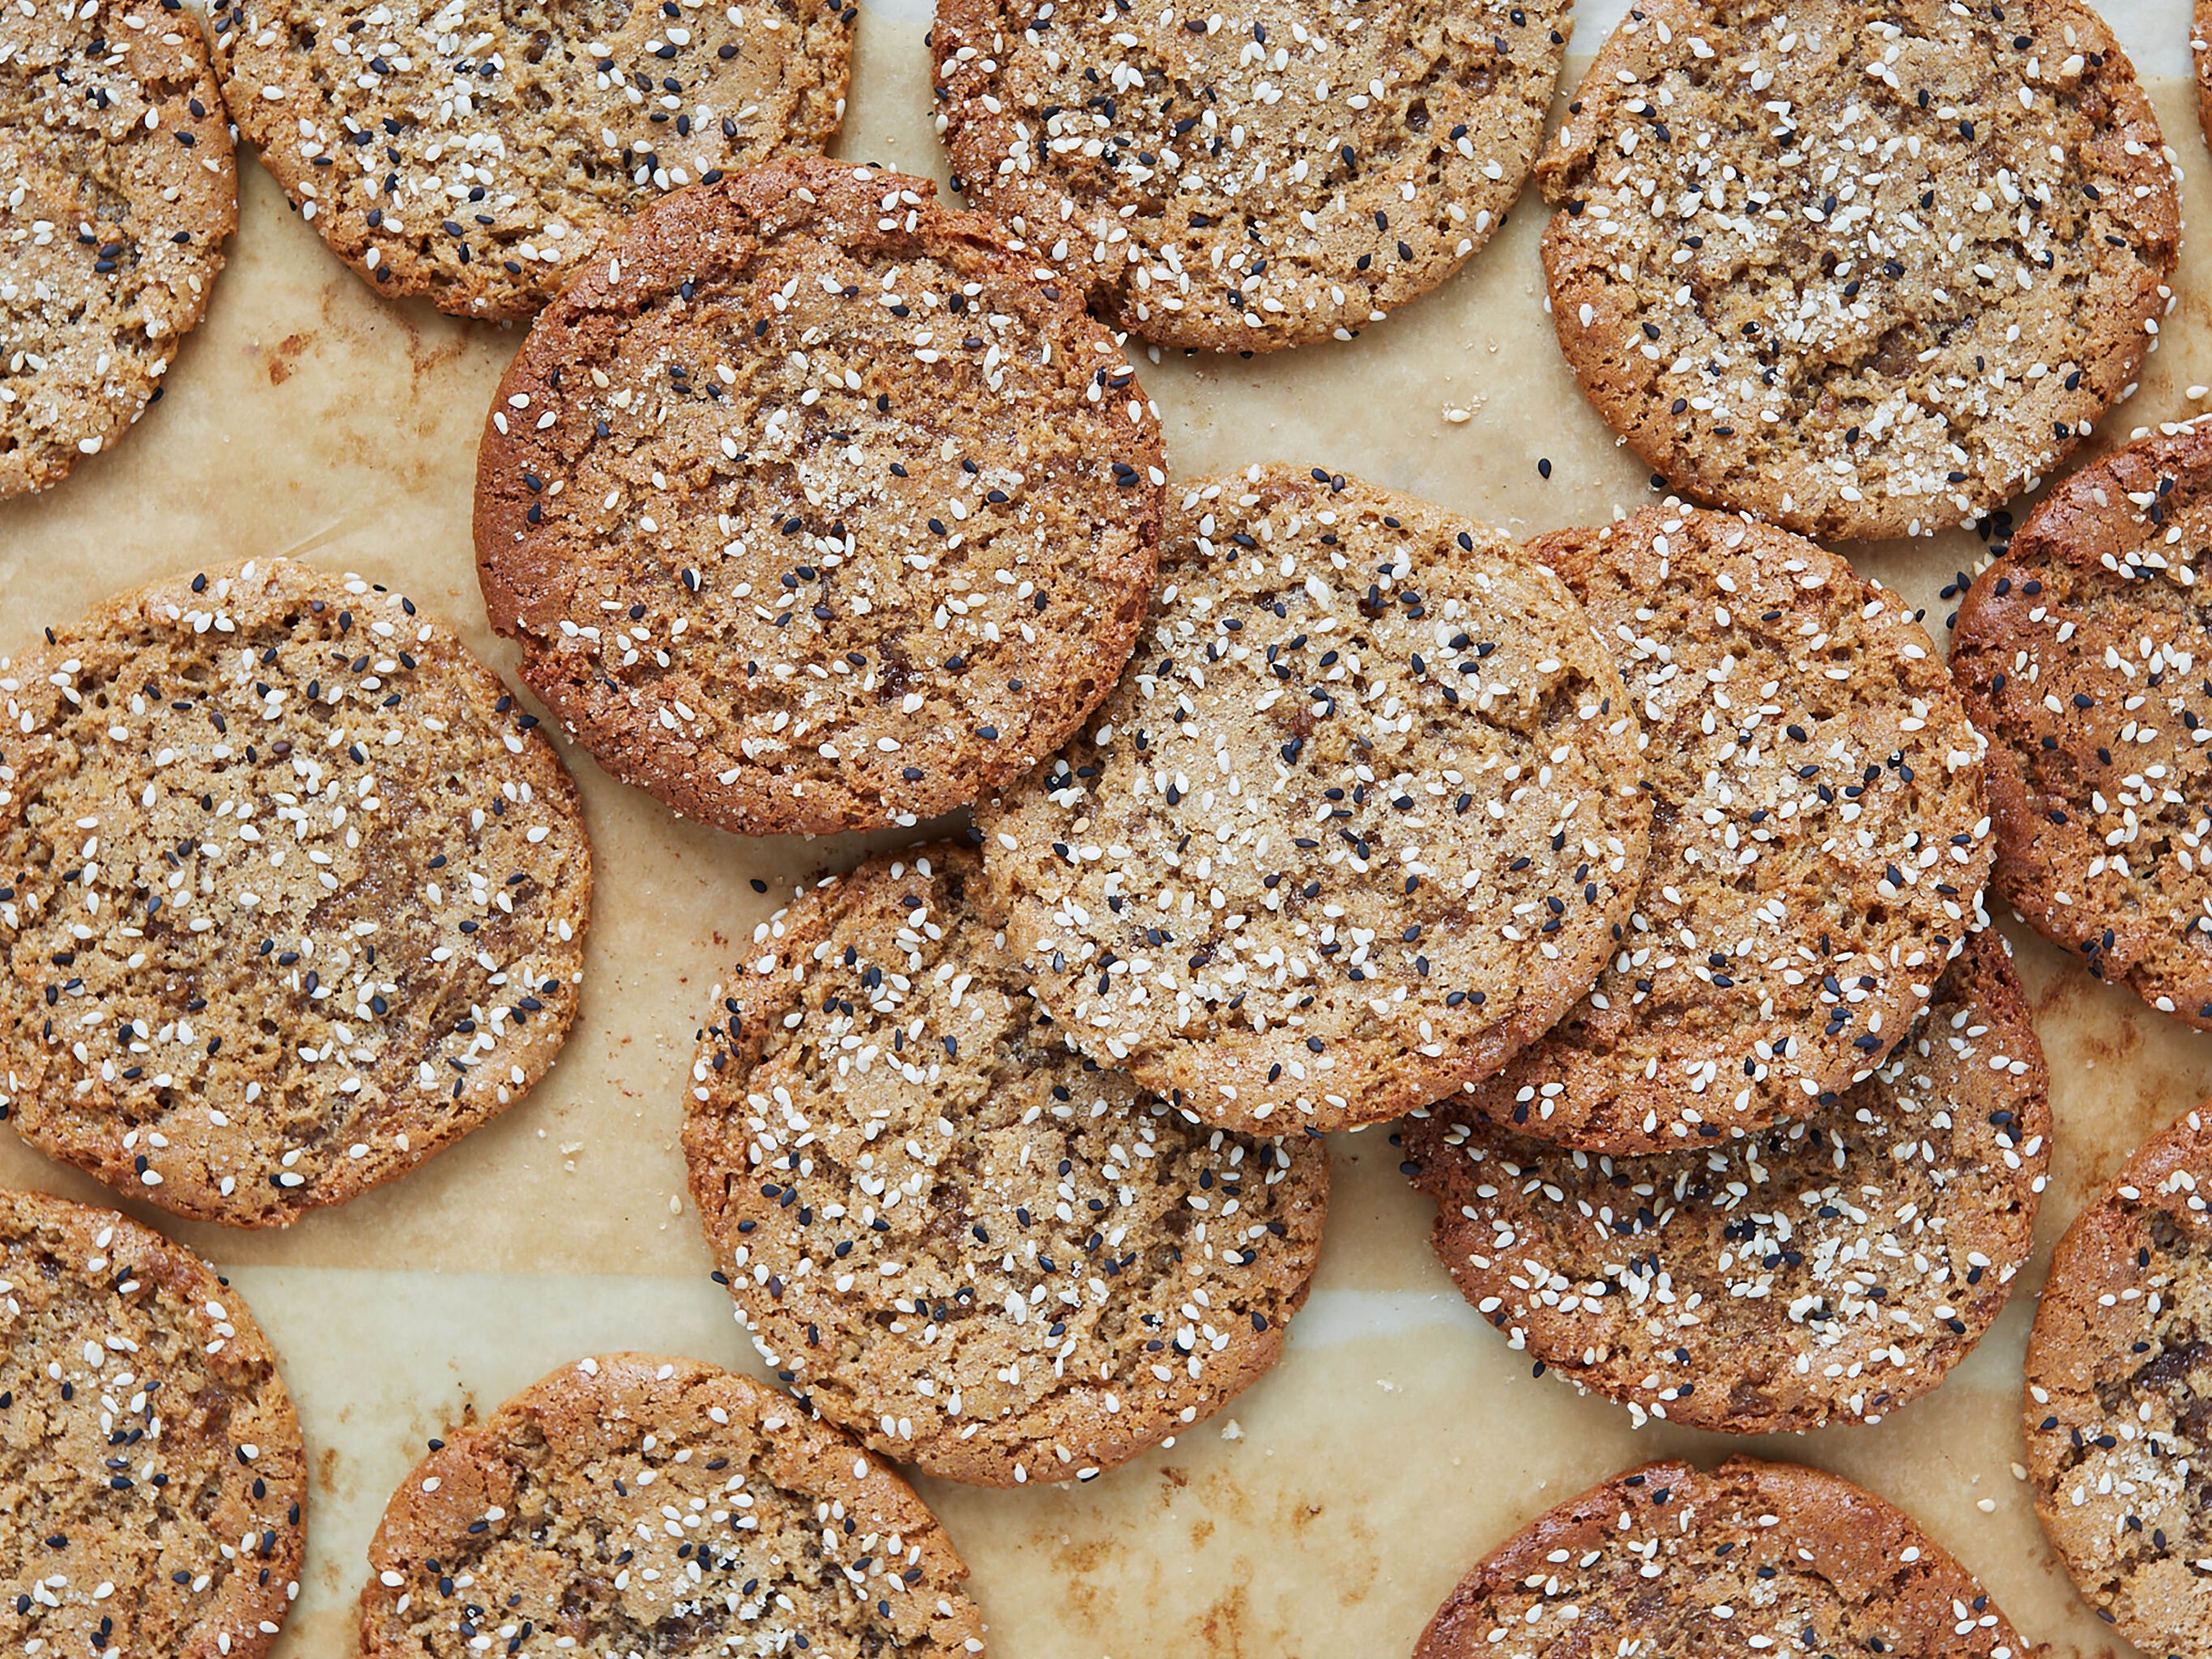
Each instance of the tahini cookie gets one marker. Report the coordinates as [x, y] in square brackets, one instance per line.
[291, 893]
[2119, 1395]
[815, 506]
[1819, 839]
[1245, 180]
[629, 1504]
[118, 186]
[1754, 1557]
[979, 1251]
[155, 1476]
[2083, 654]
[1361, 820]
[480, 159]
[1863, 269]
[1828, 1268]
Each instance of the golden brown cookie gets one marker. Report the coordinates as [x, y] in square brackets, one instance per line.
[817, 507]
[480, 159]
[2118, 1407]
[1833, 1267]
[2083, 654]
[1819, 838]
[953, 1234]
[118, 186]
[1242, 181]
[291, 893]
[630, 1504]
[1357, 824]
[1865, 269]
[1755, 1557]
[152, 1481]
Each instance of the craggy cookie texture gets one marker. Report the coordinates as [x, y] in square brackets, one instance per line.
[630, 1505]
[1818, 839]
[818, 506]
[2119, 1395]
[150, 1462]
[1865, 268]
[2085, 655]
[479, 158]
[1254, 178]
[955, 1235]
[1833, 1267]
[118, 186]
[290, 894]
[1754, 1557]
[1359, 822]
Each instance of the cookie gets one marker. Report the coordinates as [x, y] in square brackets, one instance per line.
[1357, 824]
[630, 1504]
[118, 186]
[1764, 1558]
[1864, 268]
[2200, 42]
[1829, 1269]
[1242, 182]
[2118, 1407]
[2083, 654]
[291, 895]
[1819, 840]
[978, 1250]
[155, 1479]
[480, 160]
[817, 506]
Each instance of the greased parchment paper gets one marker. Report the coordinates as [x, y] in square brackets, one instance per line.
[1329, 1509]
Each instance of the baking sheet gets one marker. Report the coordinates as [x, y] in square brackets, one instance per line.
[1329, 1509]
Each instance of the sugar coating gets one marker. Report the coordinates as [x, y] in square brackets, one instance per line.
[291, 892]
[118, 185]
[2119, 1375]
[152, 1473]
[1247, 179]
[1357, 822]
[480, 158]
[1819, 839]
[1755, 1557]
[981, 1252]
[2083, 654]
[1829, 1269]
[1863, 269]
[818, 506]
[630, 1504]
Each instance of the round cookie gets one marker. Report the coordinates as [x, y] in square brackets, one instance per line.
[1864, 268]
[2083, 654]
[1819, 843]
[155, 1476]
[2200, 42]
[118, 185]
[630, 1504]
[2119, 1373]
[291, 895]
[1245, 181]
[1755, 1557]
[818, 506]
[1359, 823]
[479, 159]
[1831, 1268]
[953, 1234]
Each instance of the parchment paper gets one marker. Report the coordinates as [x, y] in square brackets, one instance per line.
[1331, 1508]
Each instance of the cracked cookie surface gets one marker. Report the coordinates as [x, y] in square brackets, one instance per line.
[821, 506]
[291, 892]
[1357, 822]
[978, 1250]
[152, 1476]
[630, 1503]
[1863, 269]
